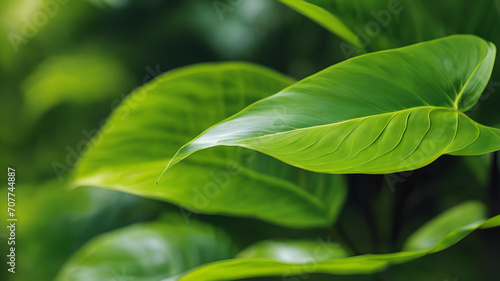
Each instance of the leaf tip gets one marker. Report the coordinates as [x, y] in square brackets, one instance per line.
[170, 164]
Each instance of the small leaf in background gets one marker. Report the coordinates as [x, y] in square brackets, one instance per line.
[382, 24]
[55, 221]
[384, 112]
[435, 230]
[326, 19]
[83, 78]
[148, 252]
[143, 134]
[479, 167]
[300, 251]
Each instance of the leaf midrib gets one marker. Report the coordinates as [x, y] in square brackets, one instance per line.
[353, 119]
[459, 96]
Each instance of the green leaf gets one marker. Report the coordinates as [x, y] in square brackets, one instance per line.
[143, 134]
[271, 259]
[81, 79]
[384, 112]
[324, 18]
[298, 251]
[65, 219]
[479, 166]
[376, 24]
[383, 24]
[429, 235]
[148, 252]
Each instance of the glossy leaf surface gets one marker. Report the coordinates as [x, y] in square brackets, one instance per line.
[148, 252]
[385, 24]
[384, 112]
[146, 130]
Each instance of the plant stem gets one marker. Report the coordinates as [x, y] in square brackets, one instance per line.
[490, 242]
[339, 235]
[401, 194]
[494, 186]
[379, 182]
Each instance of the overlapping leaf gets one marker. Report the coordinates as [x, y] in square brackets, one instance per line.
[269, 259]
[145, 131]
[148, 252]
[384, 24]
[383, 112]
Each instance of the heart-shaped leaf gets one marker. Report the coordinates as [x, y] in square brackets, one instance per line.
[273, 259]
[384, 112]
[143, 134]
[386, 24]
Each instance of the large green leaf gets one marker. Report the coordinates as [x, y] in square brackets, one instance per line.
[385, 24]
[143, 134]
[269, 259]
[383, 112]
[148, 252]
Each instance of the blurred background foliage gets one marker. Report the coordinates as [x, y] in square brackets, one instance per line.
[63, 78]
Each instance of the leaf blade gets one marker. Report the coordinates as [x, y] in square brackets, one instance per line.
[326, 19]
[148, 251]
[145, 131]
[363, 103]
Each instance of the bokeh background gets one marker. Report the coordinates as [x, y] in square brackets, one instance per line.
[61, 75]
